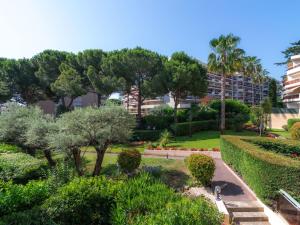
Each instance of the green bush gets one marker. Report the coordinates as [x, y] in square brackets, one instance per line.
[205, 113]
[239, 120]
[265, 172]
[82, 201]
[145, 135]
[202, 167]
[165, 138]
[20, 167]
[291, 122]
[232, 107]
[129, 160]
[182, 129]
[295, 131]
[185, 211]
[160, 117]
[34, 216]
[7, 148]
[145, 200]
[282, 146]
[17, 197]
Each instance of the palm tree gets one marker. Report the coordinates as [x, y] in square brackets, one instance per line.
[226, 59]
[260, 79]
[252, 68]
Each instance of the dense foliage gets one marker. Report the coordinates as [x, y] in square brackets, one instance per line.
[129, 160]
[291, 122]
[145, 135]
[8, 148]
[182, 129]
[20, 167]
[202, 167]
[282, 146]
[295, 131]
[264, 171]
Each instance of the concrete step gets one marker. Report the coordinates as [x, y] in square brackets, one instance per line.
[254, 223]
[244, 206]
[249, 217]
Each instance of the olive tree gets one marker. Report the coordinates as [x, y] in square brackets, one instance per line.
[97, 127]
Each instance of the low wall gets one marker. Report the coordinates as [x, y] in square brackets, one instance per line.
[280, 119]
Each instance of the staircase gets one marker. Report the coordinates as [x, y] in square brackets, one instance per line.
[246, 213]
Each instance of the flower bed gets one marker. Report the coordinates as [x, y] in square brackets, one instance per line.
[182, 149]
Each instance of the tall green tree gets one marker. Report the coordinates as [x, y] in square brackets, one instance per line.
[47, 64]
[294, 49]
[252, 68]
[183, 76]
[273, 92]
[226, 59]
[68, 84]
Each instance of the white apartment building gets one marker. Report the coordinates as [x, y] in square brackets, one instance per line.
[291, 84]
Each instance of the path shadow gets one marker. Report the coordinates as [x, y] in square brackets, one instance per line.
[174, 178]
[228, 188]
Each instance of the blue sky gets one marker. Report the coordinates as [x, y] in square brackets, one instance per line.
[266, 27]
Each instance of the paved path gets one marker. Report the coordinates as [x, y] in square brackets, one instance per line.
[233, 189]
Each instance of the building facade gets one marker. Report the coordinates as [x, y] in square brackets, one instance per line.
[291, 83]
[237, 87]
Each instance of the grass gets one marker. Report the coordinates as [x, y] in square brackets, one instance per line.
[281, 132]
[203, 139]
[173, 171]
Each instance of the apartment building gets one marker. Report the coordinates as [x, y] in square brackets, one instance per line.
[291, 83]
[237, 87]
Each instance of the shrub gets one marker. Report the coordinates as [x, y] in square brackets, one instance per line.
[285, 147]
[181, 129]
[7, 148]
[17, 197]
[265, 172]
[34, 216]
[291, 122]
[185, 211]
[20, 167]
[205, 113]
[285, 127]
[239, 120]
[144, 200]
[145, 135]
[232, 107]
[202, 167]
[82, 201]
[165, 138]
[129, 160]
[160, 117]
[295, 131]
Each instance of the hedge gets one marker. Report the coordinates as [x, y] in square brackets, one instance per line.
[291, 122]
[282, 146]
[265, 172]
[145, 135]
[20, 167]
[182, 129]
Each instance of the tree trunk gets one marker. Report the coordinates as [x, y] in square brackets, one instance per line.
[48, 156]
[128, 95]
[175, 109]
[63, 102]
[139, 109]
[98, 100]
[100, 155]
[70, 104]
[253, 94]
[77, 161]
[223, 85]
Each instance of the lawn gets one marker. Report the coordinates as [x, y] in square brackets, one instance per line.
[281, 132]
[203, 139]
[173, 171]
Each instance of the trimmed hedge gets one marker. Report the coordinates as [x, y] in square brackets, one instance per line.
[291, 122]
[20, 167]
[7, 148]
[145, 135]
[282, 146]
[295, 131]
[182, 129]
[265, 172]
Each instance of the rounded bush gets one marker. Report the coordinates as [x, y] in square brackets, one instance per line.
[202, 167]
[295, 131]
[129, 160]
